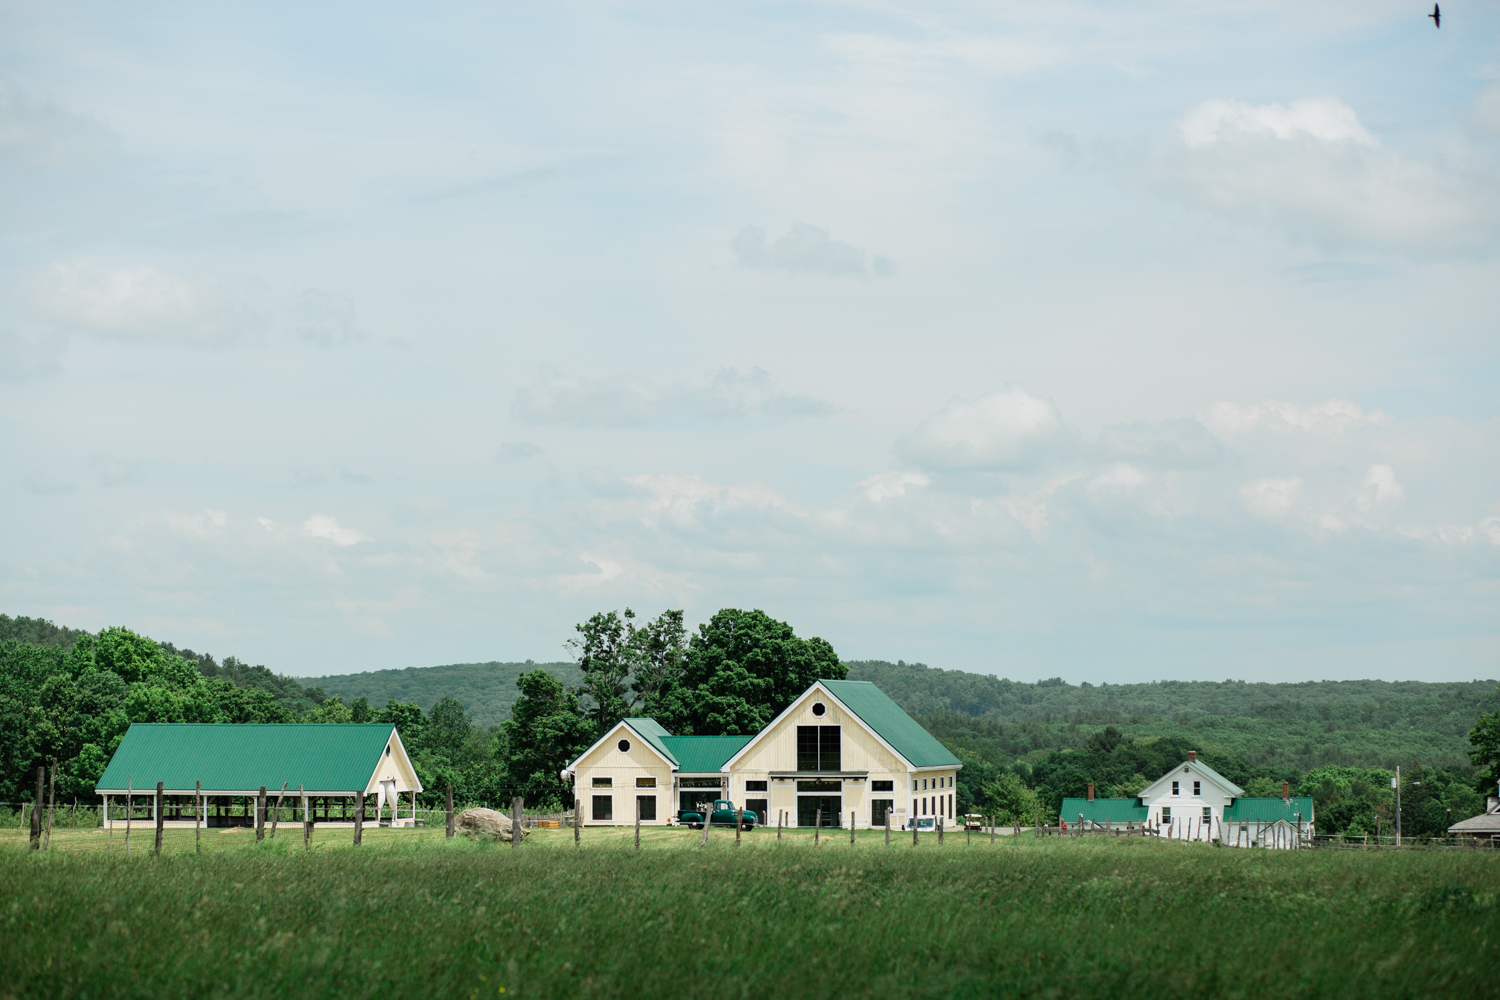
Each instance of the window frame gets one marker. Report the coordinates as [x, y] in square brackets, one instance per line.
[1175, 786]
[608, 809]
[648, 782]
[640, 802]
[757, 785]
[602, 782]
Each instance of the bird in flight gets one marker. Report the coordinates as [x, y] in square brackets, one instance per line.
[1437, 17]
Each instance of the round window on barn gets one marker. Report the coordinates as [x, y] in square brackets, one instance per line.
[819, 708]
[624, 746]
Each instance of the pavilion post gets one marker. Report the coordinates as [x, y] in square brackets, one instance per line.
[36, 810]
[161, 815]
[450, 812]
[260, 815]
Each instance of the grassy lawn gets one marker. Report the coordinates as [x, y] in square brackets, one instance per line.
[411, 913]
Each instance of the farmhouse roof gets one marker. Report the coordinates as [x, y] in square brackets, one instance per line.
[653, 733]
[1271, 810]
[890, 722]
[1487, 822]
[703, 754]
[1104, 810]
[1192, 766]
[242, 757]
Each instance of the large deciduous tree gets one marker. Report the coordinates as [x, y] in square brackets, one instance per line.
[546, 730]
[741, 670]
[1485, 740]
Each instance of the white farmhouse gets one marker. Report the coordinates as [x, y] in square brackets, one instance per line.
[1192, 801]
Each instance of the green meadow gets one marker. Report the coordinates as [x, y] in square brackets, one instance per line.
[409, 913]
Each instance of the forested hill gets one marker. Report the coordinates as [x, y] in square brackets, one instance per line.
[924, 690]
[487, 689]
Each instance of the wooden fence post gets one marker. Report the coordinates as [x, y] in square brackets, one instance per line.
[817, 824]
[851, 826]
[914, 831]
[129, 808]
[450, 812]
[36, 810]
[359, 818]
[577, 817]
[888, 828]
[738, 823]
[516, 805]
[197, 817]
[159, 807]
[260, 815]
[707, 815]
[940, 831]
[638, 825]
[276, 814]
[51, 801]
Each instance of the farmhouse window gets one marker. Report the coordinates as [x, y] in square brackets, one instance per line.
[755, 786]
[1208, 814]
[604, 782]
[1166, 814]
[604, 808]
[645, 782]
[1174, 788]
[882, 786]
[645, 807]
[819, 748]
[819, 786]
[1197, 788]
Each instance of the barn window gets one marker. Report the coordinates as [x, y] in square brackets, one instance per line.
[604, 808]
[604, 782]
[623, 746]
[819, 748]
[882, 786]
[755, 786]
[645, 782]
[819, 708]
[645, 807]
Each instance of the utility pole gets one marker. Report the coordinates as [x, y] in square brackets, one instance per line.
[1396, 784]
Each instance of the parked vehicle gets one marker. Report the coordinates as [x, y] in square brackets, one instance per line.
[973, 821]
[721, 813]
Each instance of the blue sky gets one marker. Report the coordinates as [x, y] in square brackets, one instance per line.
[1116, 341]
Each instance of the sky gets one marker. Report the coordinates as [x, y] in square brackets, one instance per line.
[1114, 342]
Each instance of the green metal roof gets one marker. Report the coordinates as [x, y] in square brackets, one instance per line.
[1268, 810]
[1103, 810]
[703, 754]
[653, 733]
[891, 723]
[327, 758]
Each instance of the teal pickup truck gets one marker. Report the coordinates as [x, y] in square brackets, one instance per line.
[722, 813]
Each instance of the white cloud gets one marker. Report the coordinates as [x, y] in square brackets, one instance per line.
[1006, 429]
[200, 526]
[42, 134]
[1272, 498]
[1331, 418]
[1030, 511]
[890, 484]
[1312, 167]
[138, 301]
[1379, 487]
[624, 400]
[322, 526]
[804, 250]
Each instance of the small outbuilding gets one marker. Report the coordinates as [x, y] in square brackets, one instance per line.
[1484, 828]
[234, 773]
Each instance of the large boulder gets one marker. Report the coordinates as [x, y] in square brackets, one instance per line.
[479, 822]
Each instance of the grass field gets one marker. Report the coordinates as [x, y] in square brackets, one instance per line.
[410, 914]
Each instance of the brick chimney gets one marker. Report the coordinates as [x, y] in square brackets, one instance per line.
[1286, 790]
[1192, 755]
[1091, 791]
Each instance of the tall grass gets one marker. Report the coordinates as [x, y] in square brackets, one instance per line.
[410, 913]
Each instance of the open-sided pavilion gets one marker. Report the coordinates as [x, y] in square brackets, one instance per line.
[233, 775]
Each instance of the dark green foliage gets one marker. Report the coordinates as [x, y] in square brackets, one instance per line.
[1115, 919]
[547, 730]
[607, 658]
[742, 669]
[1484, 741]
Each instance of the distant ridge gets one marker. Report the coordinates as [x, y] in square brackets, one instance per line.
[488, 690]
